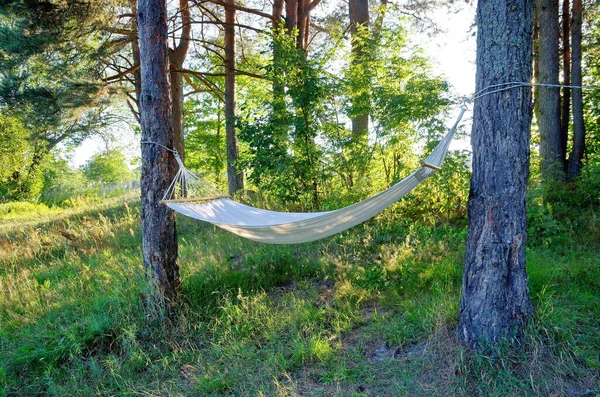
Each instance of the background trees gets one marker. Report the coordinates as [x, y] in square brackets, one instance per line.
[108, 167]
[50, 77]
[555, 145]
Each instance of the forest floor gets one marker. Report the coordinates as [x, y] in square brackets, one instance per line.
[369, 312]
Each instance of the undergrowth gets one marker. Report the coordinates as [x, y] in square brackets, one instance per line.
[368, 312]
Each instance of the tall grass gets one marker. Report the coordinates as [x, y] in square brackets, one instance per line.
[368, 312]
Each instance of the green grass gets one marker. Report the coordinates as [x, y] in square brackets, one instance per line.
[369, 312]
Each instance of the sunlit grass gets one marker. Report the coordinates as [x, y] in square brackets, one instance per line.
[368, 312]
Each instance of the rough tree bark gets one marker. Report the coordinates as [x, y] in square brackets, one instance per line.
[548, 101]
[566, 92]
[578, 149]
[159, 238]
[495, 301]
[235, 177]
[359, 23]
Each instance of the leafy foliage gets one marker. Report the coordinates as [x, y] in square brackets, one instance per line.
[107, 167]
[19, 176]
[300, 152]
[205, 139]
[284, 157]
[50, 74]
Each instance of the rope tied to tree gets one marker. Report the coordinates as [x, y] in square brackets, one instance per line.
[516, 84]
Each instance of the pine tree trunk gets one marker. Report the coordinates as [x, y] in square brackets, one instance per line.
[159, 237]
[177, 103]
[177, 57]
[536, 61]
[495, 303]
[135, 50]
[278, 88]
[551, 155]
[359, 20]
[291, 15]
[578, 149]
[234, 175]
[566, 92]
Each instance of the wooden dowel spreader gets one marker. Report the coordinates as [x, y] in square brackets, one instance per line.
[192, 199]
[433, 167]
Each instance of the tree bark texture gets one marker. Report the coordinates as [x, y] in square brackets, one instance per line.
[548, 101]
[235, 177]
[578, 149]
[277, 13]
[536, 59]
[177, 110]
[297, 20]
[495, 301]
[135, 51]
[566, 92]
[359, 23]
[159, 237]
[177, 56]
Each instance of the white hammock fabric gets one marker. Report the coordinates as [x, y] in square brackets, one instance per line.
[293, 227]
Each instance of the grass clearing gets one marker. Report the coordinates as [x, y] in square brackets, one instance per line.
[369, 312]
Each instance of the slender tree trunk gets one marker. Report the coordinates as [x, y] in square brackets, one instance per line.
[551, 155]
[495, 301]
[279, 105]
[536, 60]
[578, 149]
[159, 236]
[135, 51]
[301, 24]
[177, 57]
[359, 24]
[177, 104]
[234, 175]
[566, 92]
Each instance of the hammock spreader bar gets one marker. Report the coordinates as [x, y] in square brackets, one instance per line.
[294, 227]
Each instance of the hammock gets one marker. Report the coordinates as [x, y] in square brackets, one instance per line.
[293, 227]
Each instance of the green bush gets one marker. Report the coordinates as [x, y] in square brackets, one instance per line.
[9, 210]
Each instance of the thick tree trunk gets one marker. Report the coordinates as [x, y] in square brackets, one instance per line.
[566, 92]
[495, 301]
[578, 149]
[234, 175]
[291, 15]
[159, 237]
[548, 106]
[359, 22]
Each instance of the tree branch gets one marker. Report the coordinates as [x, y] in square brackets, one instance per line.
[121, 74]
[244, 9]
[209, 85]
[237, 72]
